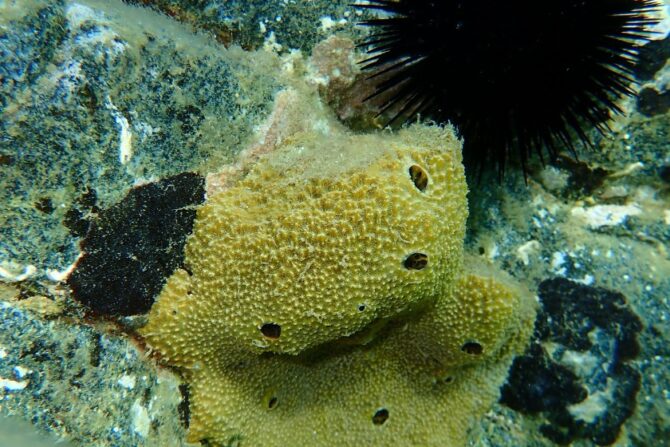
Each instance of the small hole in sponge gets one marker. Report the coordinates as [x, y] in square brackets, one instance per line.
[473, 348]
[272, 403]
[361, 307]
[419, 177]
[271, 330]
[380, 416]
[416, 261]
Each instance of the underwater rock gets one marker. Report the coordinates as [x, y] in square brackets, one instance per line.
[15, 432]
[578, 374]
[251, 24]
[81, 77]
[582, 179]
[132, 247]
[85, 387]
[324, 299]
[99, 96]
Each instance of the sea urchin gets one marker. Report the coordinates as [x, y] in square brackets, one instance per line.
[514, 76]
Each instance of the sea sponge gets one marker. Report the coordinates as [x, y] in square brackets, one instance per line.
[323, 300]
[387, 393]
[316, 243]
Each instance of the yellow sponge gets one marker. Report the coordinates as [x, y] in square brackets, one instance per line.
[323, 300]
[306, 249]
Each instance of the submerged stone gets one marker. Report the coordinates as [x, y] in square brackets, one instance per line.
[577, 373]
[98, 95]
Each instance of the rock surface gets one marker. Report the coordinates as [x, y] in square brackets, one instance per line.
[92, 103]
[85, 385]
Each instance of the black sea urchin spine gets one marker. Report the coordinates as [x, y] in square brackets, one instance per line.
[514, 76]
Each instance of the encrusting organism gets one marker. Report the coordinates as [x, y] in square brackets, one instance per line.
[140, 239]
[325, 299]
[515, 77]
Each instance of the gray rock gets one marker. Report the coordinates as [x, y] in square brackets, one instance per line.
[99, 96]
[84, 385]
[251, 23]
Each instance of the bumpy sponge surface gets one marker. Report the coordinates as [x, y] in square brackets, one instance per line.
[323, 300]
[302, 252]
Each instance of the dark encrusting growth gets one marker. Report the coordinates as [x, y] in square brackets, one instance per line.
[592, 400]
[516, 77]
[134, 246]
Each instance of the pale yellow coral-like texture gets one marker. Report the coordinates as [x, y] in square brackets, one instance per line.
[323, 300]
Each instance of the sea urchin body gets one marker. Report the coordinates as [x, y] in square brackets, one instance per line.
[514, 76]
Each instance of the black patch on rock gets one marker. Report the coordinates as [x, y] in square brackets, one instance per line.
[583, 180]
[133, 247]
[6, 160]
[664, 173]
[553, 386]
[651, 102]
[190, 118]
[589, 321]
[45, 205]
[78, 218]
[184, 405]
[652, 58]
